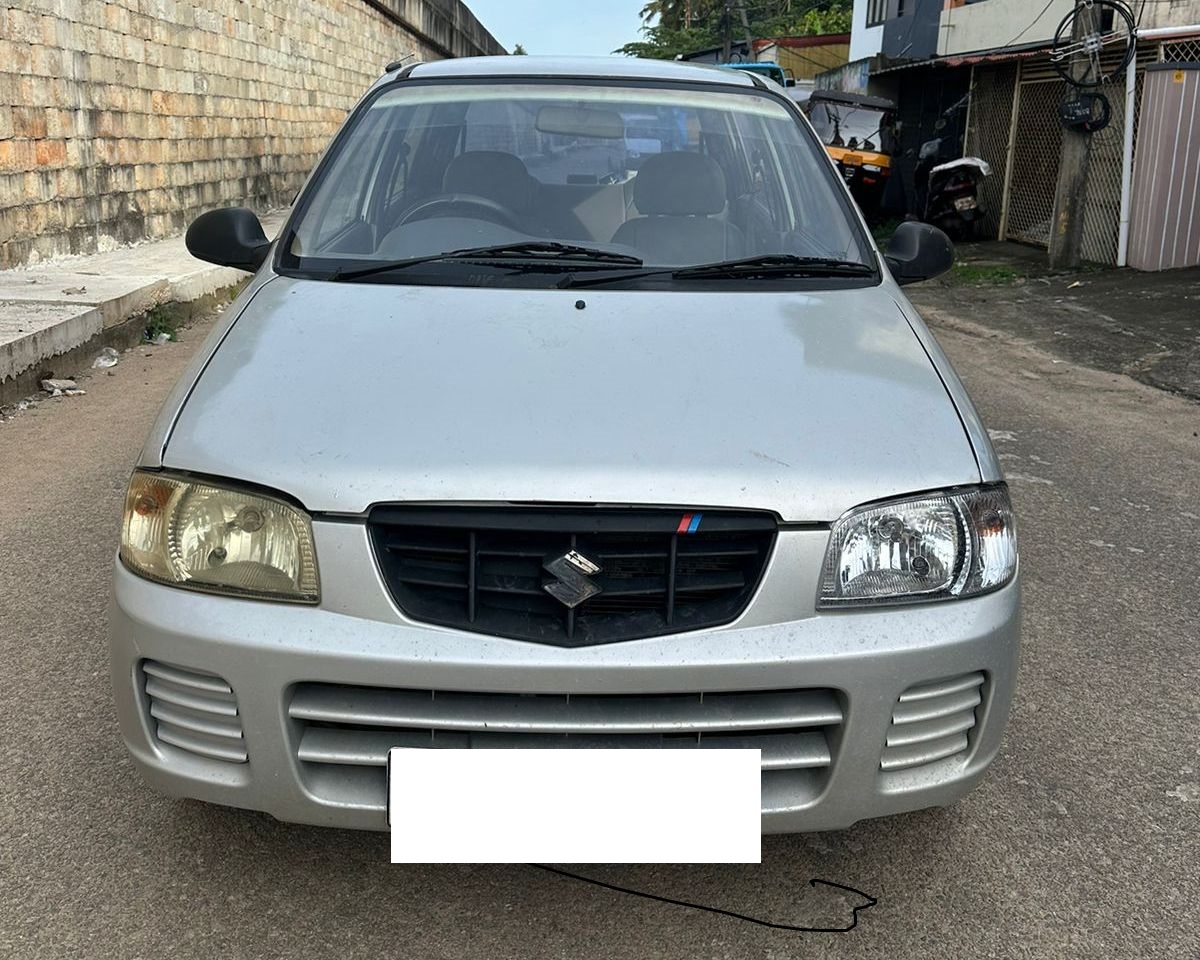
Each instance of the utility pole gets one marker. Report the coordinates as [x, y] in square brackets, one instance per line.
[741, 5]
[1070, 196]
[727, 28]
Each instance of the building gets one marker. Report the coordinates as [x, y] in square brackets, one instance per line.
[803, 58]
[983, 69]
[883, 32]
[967, 26]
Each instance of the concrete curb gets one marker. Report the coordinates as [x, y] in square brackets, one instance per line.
[53, 316]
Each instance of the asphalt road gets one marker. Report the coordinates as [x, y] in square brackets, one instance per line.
[1083, 842]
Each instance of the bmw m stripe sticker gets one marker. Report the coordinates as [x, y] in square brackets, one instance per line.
[690, 523]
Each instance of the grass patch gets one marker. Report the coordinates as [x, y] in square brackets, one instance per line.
[979, 274]
[160, 320]
[883, 230]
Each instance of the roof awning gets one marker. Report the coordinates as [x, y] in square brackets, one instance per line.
[965, 60]
[996, 55]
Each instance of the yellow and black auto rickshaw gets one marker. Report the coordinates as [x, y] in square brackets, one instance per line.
[858, 132]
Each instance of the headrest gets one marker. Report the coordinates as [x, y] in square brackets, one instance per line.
[679, 185]
[492, 174]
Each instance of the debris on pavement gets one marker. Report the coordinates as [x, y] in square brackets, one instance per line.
[8, 412]
[74, 291]
[159, 339]
[55, 387]
[108, 358]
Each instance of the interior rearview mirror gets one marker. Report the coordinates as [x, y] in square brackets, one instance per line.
[918, 251]
[581, 122]
[231, 237]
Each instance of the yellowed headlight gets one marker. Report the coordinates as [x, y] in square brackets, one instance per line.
[218, 539]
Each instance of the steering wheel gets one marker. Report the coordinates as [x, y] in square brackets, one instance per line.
[445, 202]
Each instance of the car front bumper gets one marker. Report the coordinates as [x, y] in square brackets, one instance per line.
[317, 693]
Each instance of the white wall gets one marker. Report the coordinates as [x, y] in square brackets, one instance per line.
[998, 23]
[1176, 13]
[864, 42]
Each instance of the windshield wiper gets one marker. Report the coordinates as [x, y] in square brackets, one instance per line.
[538, 250]
[775, 265]
[767, 265]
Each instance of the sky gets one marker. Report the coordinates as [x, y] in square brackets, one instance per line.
[550, 27]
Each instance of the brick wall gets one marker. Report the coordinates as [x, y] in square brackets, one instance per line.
[120, 121]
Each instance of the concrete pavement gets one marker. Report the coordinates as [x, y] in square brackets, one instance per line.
[51, 313]
[1081, 843]
[1145, 325]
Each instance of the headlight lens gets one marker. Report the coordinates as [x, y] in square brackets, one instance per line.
[924, 548]
[218, 539]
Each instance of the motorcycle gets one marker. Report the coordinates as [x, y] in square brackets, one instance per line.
[950, 190]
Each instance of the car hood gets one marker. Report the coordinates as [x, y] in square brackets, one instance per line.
[347, 395]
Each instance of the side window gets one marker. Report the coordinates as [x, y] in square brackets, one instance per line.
[768, 210]
[347, 184]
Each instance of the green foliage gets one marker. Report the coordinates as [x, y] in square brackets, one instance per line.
[674, 27]
[161, 320]
[883, 230]
[979, 274]
[520, 51]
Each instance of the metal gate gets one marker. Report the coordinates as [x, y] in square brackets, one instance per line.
[1037, 148]
[1013, 124]
[989, 138]
[1033, 173]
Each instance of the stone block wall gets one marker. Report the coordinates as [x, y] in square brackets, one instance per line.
[120, 121]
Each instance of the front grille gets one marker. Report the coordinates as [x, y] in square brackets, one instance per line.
[193, 711]
[484, 570]
[932, 722]
[344, 733]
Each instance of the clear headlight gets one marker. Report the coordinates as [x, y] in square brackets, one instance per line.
[219, 539]
[930, 547]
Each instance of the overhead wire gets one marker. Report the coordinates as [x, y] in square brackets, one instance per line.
[1031, 24]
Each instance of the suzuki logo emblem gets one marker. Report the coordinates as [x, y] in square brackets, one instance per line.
[572, 583]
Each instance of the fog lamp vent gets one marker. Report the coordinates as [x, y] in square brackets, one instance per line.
[932, 722]
[192, 711]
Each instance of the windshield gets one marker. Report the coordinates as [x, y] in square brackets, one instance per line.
[672, 177]
[837, 124]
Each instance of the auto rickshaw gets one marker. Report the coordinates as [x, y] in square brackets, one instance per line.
[859, 133]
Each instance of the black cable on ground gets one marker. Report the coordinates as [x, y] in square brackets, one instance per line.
[871, 901]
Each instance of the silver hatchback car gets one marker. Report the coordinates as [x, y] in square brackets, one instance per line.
[515, 440]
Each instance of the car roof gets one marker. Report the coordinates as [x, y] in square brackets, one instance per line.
[616, 68]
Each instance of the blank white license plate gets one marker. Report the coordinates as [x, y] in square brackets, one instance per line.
[574, 806]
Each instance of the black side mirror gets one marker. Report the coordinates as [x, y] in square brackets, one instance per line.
[918, 252]
[231, 237]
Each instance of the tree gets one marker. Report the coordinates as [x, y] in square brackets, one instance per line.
[673, 27]
[679, 14]
[520, 51]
